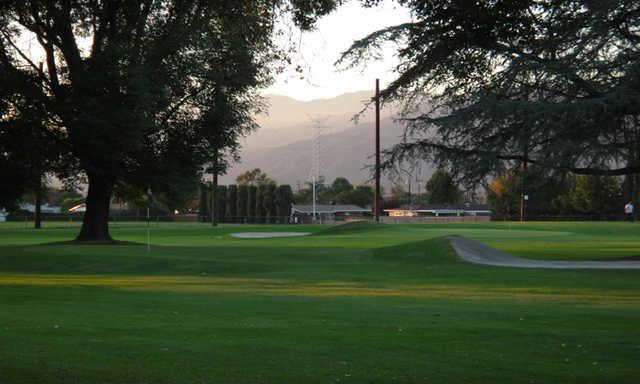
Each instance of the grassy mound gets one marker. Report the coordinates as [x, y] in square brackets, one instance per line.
[436, 250]
[352, 227]
[381, 303]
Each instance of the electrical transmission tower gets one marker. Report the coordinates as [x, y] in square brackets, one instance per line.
[318, 126]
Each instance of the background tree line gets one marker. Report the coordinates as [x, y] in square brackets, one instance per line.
[553, 194]
[341, 191]
[549, 194]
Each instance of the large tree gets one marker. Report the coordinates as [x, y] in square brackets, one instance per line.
[442, 189]
[25, 137]
[253, 176]
[127, 85]
[489, 85]
[595, 195]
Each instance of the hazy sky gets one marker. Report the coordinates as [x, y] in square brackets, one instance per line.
[319, 50]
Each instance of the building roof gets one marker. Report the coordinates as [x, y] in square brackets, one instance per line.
[467, 207]
[325, 208]
[44, 208]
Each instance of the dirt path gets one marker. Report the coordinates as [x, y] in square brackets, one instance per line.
[479, 253]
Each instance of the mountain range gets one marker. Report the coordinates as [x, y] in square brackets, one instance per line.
[283, 146]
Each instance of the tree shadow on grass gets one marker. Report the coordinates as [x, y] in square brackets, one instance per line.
[84, 242]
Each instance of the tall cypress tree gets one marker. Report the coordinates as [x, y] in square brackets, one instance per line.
[232, 195]
[269, 202]
[284, 199]
[241, 203]
[260, 204]
[221, 201]
[203, 206]
[252, 192]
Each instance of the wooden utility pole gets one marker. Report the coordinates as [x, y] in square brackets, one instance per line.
[376, 195]
[523, 193]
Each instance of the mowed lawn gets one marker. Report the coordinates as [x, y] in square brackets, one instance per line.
[354, 304]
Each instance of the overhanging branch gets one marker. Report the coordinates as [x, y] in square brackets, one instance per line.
[595, 171]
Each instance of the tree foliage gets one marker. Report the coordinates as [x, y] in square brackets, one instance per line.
[552, 194]
[231, 206]
[595, 195]
[253, 177]
[251, 202]
[242, 200]
[442, 189]
[362, 195]
[260, 211]
[221, 201]
[135, 93]
[269, 201]
[341, 191]
[26, 153]
[204, 204]
[490, 84]
[284, 199]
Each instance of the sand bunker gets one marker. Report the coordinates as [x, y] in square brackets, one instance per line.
[267, 235]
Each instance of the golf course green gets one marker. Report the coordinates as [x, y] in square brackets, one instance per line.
[358, 303]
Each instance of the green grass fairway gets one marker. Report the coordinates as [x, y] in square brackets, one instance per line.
[362, 303]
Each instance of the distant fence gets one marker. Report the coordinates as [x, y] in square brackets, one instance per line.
[192, 220]
[432, 219]
[72, 220]
[607, 217]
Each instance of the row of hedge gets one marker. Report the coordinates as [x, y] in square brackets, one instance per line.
[246, 203]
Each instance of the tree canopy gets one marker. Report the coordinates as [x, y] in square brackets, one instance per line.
[489, 84]
[134, 93]
[442, 189]
[551, 194]
[255, 177]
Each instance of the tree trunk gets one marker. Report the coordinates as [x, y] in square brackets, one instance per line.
[214, 190]
[37, 218]
[95, 224]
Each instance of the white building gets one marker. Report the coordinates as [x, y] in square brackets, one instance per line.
[441, 210]
[44, 208]
[328, 213]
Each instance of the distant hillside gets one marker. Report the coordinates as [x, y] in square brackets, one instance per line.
[282, 147]
[289, 120]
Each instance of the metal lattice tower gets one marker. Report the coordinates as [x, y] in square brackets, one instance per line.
[318, 126]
